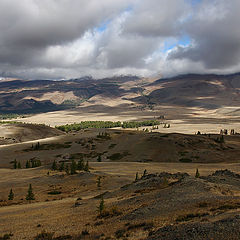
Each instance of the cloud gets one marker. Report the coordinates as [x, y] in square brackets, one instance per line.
[72, 38]
[157, 18]
[215, 36]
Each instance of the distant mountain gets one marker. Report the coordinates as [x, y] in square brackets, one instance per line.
[193, 90]
[32, 96]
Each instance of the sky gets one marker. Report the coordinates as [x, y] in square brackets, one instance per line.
[62, 39]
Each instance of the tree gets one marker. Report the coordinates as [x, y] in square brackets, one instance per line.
[27, 164]
[101, 206]
[19, 165]
[30, 194]
[11, 195]
[99, 181]
[73, 167]
[61, 168]
[15, 164]
[80, 165]
[86, 167]
[67, 169]
[99, 159]
[136, 178]
[54, 165]
[197, 175]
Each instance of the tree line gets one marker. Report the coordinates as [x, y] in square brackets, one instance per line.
[33, 163]
[106, 124]
[72, 168]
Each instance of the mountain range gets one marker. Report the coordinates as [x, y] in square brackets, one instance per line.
[192, 90]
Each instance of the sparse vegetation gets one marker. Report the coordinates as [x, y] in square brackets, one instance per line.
[190, 216]
[52, 146]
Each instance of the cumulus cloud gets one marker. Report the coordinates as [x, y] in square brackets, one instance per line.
[72, 38]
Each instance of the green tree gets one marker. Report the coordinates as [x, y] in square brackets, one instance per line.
[86, 167]
[33, 163]
[61, 168]
[80, 165]
[30, 194]
[136, 178]
[67, 169]
[27, 164]
[101, 206]
[197, 175]
[73, 168]
[99, 181]
[11, 195]
[99, 159]
[54, 165]
[15, 164]
[19, 165]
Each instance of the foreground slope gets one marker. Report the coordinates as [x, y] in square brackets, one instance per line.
[156, 206]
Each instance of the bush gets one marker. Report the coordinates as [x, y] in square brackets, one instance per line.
[118, 156]
[6, 236]
[54, 192]
[185, 160]
[44, 236]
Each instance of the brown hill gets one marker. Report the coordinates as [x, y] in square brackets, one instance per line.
[124, 146]
[20, 132]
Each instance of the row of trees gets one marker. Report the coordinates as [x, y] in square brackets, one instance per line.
[36, 146]
[33, 163]
[29, 164]
[81, 165]
[10, 116]
[106, 124]
[133, 124]
[16, 164]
